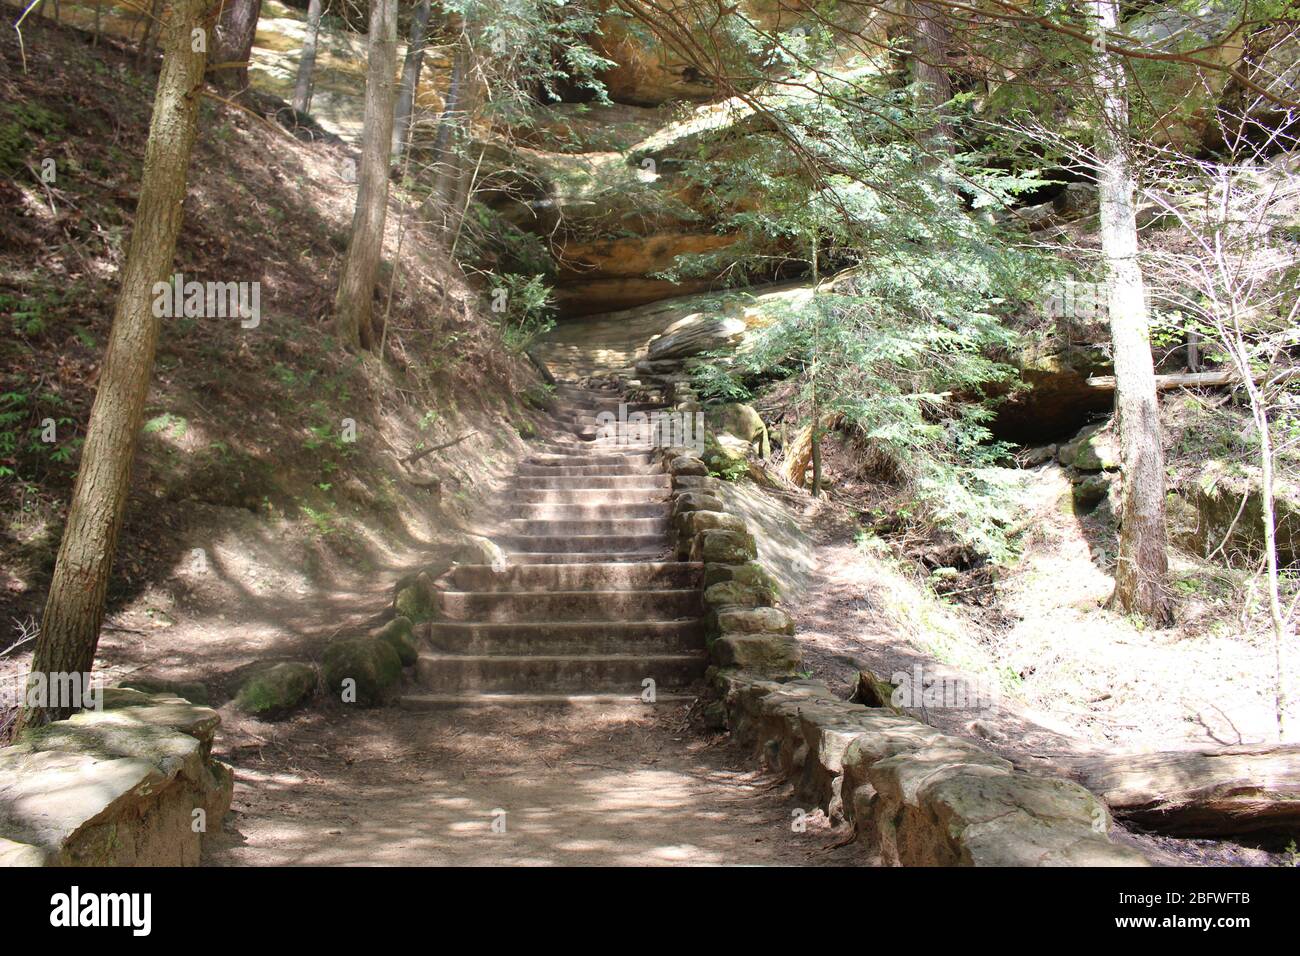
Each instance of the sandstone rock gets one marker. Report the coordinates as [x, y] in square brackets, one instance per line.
[1093, 449]
[1090, 491]
[726, 455]
[696, 501]
[873, 691]
[694, 482]
[736, 594]
[372, 664]
[196, 692]
[400, 635]
[751, 573]
[276, 690]
[682, 465]
[724, 547]
[1010, 820]
[693, 522]
[829, 729]
[20, 854]
[757, 620]
[743, 422]
[696, 334]
[117, 787]
[415, 598]
[768, 654]
[477, 550]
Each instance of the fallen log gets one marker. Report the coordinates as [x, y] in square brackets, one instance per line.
[1190, 379]
[1247, 789]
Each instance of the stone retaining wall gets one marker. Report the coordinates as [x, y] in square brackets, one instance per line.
[914, 796]
[133, 784]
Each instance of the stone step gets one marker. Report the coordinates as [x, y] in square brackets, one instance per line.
[618, 527]
[588, 512]
[559, 638]
[603, 702]
[626, 467]
[624, 482]
[583, 456]
[565, 606]
[575, 577]
[579, 543]
[602, 497]
[650, 555]
[446, 673]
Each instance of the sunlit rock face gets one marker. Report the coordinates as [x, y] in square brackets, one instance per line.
[651, 72]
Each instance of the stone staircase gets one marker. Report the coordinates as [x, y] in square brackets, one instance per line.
[591, 602]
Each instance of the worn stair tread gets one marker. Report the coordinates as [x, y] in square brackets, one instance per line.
[630, 628]
[532, 699]
[683, 657]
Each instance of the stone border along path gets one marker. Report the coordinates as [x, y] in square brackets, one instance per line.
[914, 796]
[133, 784]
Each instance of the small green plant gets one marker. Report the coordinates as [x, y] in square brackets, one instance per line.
[523, 306]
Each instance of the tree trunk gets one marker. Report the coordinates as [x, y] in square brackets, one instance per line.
[355, 300]
[307, 63]
[234, 43]
[410, 78]
[152, 29]
[74, 608]
[1143, 562]
[442, 198]
[930, 43]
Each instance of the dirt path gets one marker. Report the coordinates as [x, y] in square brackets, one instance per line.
[581, 787]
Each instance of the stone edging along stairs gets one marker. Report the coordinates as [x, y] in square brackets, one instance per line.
[590, 606]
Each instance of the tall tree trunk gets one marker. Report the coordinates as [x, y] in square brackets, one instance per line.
[930, 44]
[355, 300]
[307, 63]
[1143, 562]
[236, 29]
[410, 77]
[74, 608]
[442, 197]
[152, 31]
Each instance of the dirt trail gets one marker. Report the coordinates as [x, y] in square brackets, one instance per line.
[579, 787]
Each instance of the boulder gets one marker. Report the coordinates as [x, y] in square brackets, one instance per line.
[1090, 491]
[696, 334]
[399, 633]
[276, 690]
[684, 465]
[371, 664]
[1092, 449]
[415, 597]
[743, 422]
[117, 787]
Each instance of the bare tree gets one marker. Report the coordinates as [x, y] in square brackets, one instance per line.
[1234, 283]
[411, 67]
[74, 608]
[1142, 565]
[307, 62]
[354, 303]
